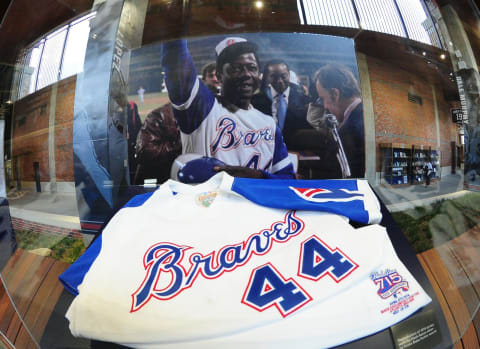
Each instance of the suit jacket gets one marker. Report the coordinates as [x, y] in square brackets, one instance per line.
[352, 135]
[296, 117]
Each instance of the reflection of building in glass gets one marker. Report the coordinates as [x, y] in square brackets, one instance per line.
[58, 55]
[430, 29]
[145, 70]
[35, 141]
[408, 91]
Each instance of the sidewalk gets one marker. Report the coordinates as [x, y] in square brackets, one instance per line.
[56, 209]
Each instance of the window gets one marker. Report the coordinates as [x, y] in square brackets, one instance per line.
[404, 18]
[58, 55]
[75, 47]
[381, 16]
[51, 58]
[30, 70]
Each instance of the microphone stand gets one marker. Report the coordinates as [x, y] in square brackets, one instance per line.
[332, 124]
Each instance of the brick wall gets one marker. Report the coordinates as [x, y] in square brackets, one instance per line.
[30, 133]
[397, 120]
[64, 129]
[20, 224]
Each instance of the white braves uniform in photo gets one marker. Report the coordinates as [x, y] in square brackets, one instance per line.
[245, 138]
[203, 266]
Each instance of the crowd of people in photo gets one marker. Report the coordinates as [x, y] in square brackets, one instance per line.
[254, 121]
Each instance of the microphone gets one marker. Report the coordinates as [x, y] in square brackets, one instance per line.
[332, 124]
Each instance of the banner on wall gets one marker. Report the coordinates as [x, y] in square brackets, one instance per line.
[457, 115]
[285, 105]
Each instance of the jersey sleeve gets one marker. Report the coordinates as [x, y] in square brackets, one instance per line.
[282, 167]
[351, 198]
[191, 99]
[73, 276]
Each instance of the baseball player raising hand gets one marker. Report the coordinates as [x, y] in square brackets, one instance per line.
[226, 127]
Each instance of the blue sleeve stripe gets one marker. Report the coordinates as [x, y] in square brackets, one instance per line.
[192, 101]
[187, 104]
[74, 275]
[281, 165]
[280, 194]
[138, 200]
[180, 72]
[190, 119]
[286, 173]
[280, 151]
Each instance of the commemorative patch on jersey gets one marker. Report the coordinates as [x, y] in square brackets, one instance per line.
[392, 287]
[205, 199]
[389, 283]
[327, 195]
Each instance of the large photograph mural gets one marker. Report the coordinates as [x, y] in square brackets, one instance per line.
[254, 105]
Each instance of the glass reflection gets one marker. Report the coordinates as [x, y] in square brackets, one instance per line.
[75, 47]
[51, 58]
[30, 70]
[407, 124]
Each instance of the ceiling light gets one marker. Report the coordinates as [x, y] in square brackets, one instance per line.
[424, 53]
[442, 56]
[259, 4]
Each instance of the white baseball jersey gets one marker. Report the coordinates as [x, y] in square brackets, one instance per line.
[245, 138]
[202, 266]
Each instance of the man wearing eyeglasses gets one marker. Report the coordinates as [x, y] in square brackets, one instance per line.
[225, 127]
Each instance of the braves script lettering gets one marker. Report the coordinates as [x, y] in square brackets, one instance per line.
[230, 137]
[166, 277]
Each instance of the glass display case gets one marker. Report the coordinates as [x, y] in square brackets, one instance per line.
[398, 160]
[419, 159]
[105, 104]
[435, 157]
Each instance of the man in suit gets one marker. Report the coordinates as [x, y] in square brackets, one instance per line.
[340, 92]
[283, 100]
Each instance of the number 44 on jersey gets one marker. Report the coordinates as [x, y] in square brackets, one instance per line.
[267, 287]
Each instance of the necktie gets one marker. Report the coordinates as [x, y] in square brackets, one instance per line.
[281, 110]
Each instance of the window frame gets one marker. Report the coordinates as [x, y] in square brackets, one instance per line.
[16, 92]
